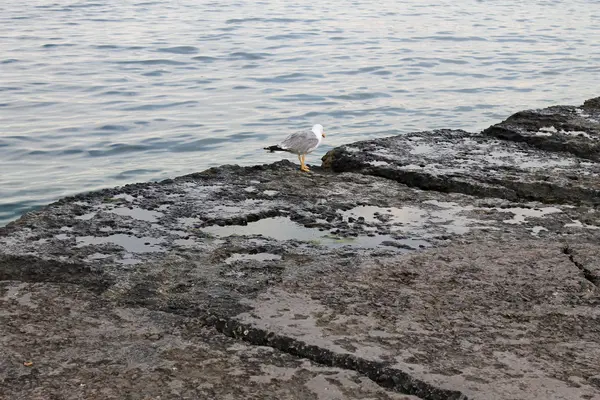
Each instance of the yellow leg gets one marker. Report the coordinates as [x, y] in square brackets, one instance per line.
[301, 162]
[303, 166]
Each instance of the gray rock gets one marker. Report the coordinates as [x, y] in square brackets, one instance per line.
[458, 161]
[558, 128]
[59, 341]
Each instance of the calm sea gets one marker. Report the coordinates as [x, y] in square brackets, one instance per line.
[99, 93]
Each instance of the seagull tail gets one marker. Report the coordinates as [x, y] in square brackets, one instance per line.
[275, 148]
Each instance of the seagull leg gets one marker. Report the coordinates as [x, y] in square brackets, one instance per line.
[301, 162]
[303, 166]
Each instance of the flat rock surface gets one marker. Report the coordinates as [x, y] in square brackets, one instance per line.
[401, 274]
[61, 342]
[481, 317]
[558, 128]
[458, 161]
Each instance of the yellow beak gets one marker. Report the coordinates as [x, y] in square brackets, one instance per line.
[323, 134]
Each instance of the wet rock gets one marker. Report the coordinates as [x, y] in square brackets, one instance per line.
[558, 128]
[452, 315]
[458, 161]
[62, 342]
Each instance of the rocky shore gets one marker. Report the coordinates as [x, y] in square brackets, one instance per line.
[434, 265]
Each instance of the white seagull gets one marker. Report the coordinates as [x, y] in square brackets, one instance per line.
[301, 143]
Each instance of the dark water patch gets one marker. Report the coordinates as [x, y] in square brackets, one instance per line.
[147, 3]
[191, 126]
[514, 40]
[150, 107]
[382, 72]
[290, 60]
[51, 45]
[86, 5]
[198, 145]
[151, 62]
[134, 173]
[179, 50]
[70, 152]
[243, 136]
[451, 38]
[295, 77]
[276, 20]
[462, 74]
[242, 20]
[9, 61]
[363, 70]
[452, 61]
[156, 73]
[361, 96]
[107, 47]
[21, 138]
[118, 148]
[294, 98]
[12, 210]
[205, 59]
[114, 128]
[291, 36]
[241, 87]
[241, 55]
[118, 93]
[228, 29]
[116, 47]
[278, 47]
[213, 37]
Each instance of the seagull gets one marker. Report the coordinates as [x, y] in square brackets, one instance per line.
[301, 143]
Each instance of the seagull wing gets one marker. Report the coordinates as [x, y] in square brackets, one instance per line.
[300, 142]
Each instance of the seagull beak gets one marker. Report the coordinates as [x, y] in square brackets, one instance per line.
[323, 134]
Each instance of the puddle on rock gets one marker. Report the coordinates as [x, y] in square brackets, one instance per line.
[97, 256]
[184, 242]
[130, 243]
[521, 214]
[188, 222]
[421, 221]
[137, 213]
[535, 231]
[422, 149]
[578, 224]
[404, 215]
[124, 196]
[129, 261]
[86, 217]
[282, 228]
[252, 257]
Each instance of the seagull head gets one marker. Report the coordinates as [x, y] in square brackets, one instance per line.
[318, 130]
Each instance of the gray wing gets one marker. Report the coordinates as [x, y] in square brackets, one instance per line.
[300, 142]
